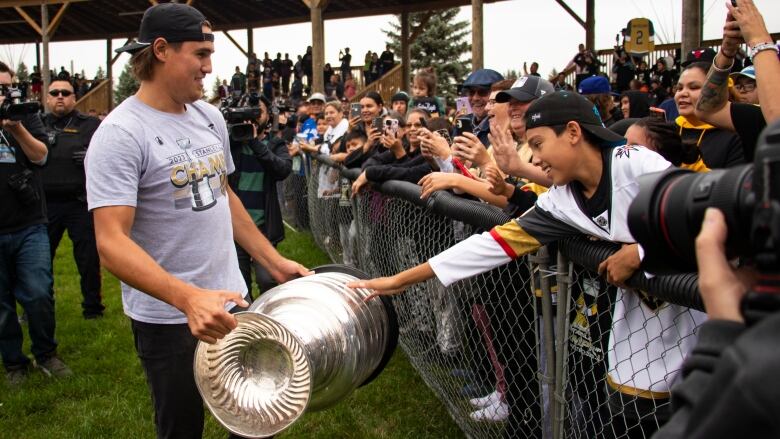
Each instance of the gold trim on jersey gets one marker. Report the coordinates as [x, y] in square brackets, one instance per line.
[633, 391]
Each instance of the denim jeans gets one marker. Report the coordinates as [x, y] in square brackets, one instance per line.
[25, 277]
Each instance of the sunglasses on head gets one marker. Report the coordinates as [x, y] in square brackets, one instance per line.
[64, 93]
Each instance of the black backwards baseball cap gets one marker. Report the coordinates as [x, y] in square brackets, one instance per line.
[526, 89]
[176, 22]
[562, 107]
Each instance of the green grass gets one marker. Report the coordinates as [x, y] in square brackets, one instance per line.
[108, 397]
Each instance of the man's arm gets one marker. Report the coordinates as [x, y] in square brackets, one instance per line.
[35, 150]
[248, 236]
[205, 309]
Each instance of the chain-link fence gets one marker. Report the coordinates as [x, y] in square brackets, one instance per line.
[541, 347]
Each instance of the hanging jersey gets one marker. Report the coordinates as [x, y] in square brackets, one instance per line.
[639, 37]
[647, 344]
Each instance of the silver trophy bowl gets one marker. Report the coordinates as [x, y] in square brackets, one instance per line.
[303, 345]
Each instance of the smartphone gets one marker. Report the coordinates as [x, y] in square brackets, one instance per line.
[391, 127]
[446, 134]
[377, 124]
[462, 103]
[354, 110]
[463, 125]
[658, 113]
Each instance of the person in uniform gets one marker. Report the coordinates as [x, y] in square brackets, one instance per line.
[64, 183]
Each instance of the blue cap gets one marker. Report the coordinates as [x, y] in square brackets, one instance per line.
[482, 78]
[749, 72]
[595, 85]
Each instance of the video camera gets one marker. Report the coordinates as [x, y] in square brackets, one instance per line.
[14, 107]
[241, 114]
[667, 214]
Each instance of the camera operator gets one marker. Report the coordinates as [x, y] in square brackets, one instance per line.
[730, 386]
[25, 259]
[64, 183]
[260, 163]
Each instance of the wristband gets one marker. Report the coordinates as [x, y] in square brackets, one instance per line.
[718, 69]
[760, 47]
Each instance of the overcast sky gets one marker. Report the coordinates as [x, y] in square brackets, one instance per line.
[515, 31]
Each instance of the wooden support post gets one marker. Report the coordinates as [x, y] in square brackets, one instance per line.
[235, 43]
[691, 26]
[318, 46]
[45, 39]
[590, 25]
[477, 47]
[110, 58]
[250, 42]
[57, 19]
[406, 58]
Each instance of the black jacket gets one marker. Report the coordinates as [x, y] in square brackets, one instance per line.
[64, 178]
[277, 165]
[731, 384]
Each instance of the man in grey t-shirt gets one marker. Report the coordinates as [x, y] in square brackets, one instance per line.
[165, 217]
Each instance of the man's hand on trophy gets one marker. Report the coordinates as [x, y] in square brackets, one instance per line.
[287, 269]
[206, 315]
[382, 286]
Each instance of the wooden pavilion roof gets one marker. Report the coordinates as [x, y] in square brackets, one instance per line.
[102, 19]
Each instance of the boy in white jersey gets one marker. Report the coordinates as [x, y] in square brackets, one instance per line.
[594, 183]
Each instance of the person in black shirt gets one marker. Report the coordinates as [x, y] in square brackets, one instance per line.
[286, 71]
[346, 62]
[387, 60]
[64, 183]
[25, 259]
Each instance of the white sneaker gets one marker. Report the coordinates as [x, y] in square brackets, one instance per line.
[493, 413]
[485, 401]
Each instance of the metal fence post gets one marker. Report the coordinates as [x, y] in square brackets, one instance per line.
[546, 368]
[564, 279]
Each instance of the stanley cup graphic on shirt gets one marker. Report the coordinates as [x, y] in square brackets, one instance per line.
[202, 196]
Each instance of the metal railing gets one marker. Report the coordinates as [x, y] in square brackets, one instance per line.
[536, 338]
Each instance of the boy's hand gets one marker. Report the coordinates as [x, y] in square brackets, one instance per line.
[621, 265]
[382, 286]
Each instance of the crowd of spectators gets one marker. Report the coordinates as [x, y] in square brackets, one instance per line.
[291, 80]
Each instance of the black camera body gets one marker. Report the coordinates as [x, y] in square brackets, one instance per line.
[14, 107]
[666, 215]
[22, 185]
[240, 114]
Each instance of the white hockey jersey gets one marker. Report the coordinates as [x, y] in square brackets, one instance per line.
[648, 343]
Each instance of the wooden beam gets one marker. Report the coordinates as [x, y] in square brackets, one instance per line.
[406, 59]
[29, 20]
[22, 3]
[116, 55]
[590, 24]
[235, 43]
[110, 72]
[421, 28]
[153, 2]
[477, 33]
[318, 49]
[189, 2]
[57, 19]
[571, 12]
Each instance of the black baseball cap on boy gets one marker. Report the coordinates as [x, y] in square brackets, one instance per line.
[176, 22]
[562, 107]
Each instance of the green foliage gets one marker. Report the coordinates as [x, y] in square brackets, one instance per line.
[442, 45]
[108, 395]
[22, 74]
[127, 85]
[511, 74]
[215, 87]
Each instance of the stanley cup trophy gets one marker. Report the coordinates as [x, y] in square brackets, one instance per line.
[303, 345]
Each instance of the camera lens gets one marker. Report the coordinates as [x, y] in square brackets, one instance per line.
[666, 215]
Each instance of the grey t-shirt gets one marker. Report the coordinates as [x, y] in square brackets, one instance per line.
[173, 169]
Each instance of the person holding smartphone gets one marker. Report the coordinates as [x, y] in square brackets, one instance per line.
[372, 107]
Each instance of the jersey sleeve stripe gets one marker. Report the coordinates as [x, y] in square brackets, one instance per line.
[514, 240]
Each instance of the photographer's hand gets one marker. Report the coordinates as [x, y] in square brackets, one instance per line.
[722, 286]
[34, 149]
